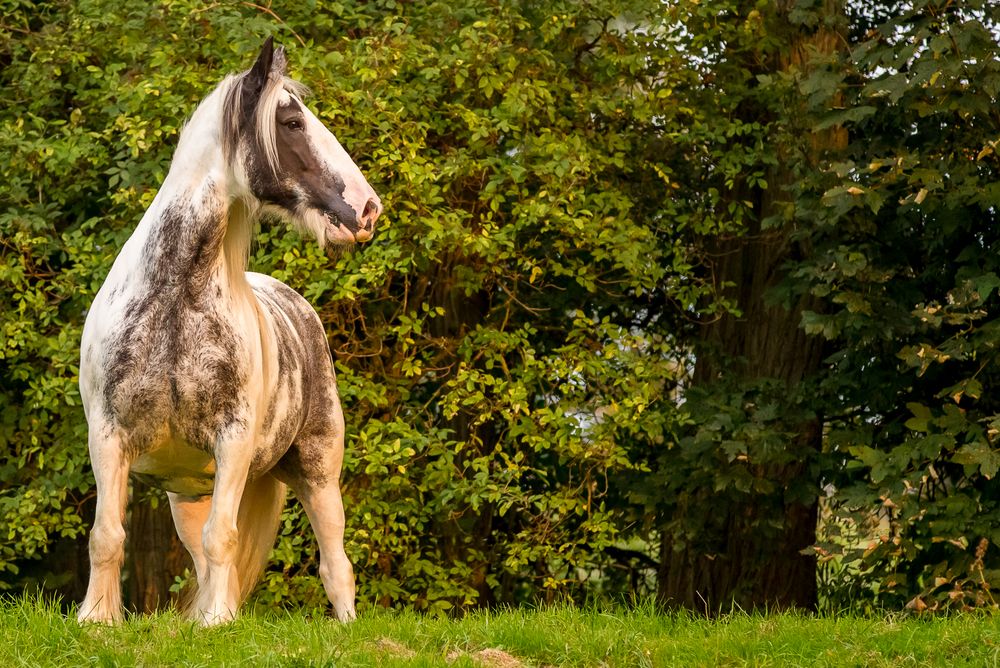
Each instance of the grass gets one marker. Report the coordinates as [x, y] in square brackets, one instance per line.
[36, 633]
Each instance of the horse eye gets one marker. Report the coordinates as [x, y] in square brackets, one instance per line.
[294, 125]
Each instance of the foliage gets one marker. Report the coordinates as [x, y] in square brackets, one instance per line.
[906, 265]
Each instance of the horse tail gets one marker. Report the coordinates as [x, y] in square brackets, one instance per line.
[257, 524]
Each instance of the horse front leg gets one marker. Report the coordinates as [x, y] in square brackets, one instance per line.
[103, 602]
[218, 600]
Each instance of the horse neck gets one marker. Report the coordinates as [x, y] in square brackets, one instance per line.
[194, 236]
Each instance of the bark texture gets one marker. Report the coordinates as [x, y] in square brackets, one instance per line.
[155, 555]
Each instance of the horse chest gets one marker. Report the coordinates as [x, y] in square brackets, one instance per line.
[175, 372]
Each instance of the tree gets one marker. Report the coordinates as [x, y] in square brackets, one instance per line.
[836, 287]
[740, 488]
[905, 263]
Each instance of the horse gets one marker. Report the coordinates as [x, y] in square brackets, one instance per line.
[214, 383]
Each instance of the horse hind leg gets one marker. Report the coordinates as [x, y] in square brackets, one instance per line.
[312, 467]
[103, 602]
[190, 514]
[325, 508]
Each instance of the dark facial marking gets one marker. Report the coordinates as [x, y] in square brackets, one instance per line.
[300, 178]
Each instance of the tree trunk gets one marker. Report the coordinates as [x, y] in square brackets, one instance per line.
[67, 567]
[752, 568]
[155, 553]
[746, 566]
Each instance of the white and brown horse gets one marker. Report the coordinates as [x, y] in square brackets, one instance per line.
[214, 383]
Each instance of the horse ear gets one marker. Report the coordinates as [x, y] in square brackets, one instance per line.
[279, 62]
[253, 83]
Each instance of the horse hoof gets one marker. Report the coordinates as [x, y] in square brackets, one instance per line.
[97, 616]
[207, 618]
[346, 615]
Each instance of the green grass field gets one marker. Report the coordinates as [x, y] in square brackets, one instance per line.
[38, 634]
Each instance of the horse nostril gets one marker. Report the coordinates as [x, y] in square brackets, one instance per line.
[371, 212]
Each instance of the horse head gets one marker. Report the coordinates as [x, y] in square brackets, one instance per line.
[289, 162]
